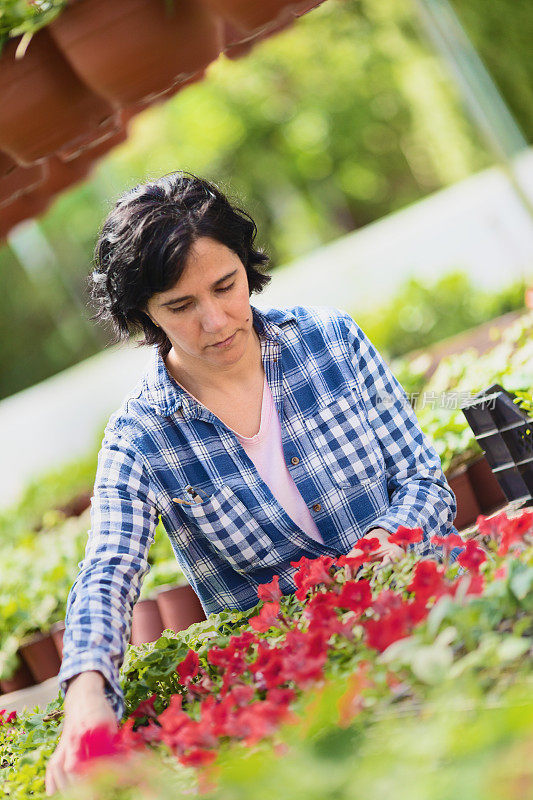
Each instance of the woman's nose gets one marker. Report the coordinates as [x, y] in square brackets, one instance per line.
[212, 317]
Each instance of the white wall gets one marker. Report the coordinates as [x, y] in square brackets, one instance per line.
[478, 225]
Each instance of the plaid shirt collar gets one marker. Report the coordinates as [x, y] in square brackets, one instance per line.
[166, 396]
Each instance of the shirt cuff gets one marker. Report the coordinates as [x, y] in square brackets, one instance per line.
[89, 661]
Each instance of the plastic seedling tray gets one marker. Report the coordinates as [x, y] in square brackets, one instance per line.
[496, 451]
[480, 417]
[505, 433]
[512, 483]
[519, 440]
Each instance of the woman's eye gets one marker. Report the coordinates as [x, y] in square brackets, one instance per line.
[179, 308]
[226, 288]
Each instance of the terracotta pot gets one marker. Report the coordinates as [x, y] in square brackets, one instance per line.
[21, 679]
[58, 630]
[16, 181]
[26, 207]
[249, 16]
[488, 491]
[468, 508]
[529, 297]
[236, 45]
[129, 50]
[146, 625]
[49, 107]
[40, 654]
[179, 607]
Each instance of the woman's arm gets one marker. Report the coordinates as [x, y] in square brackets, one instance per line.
[101, 600]
[419, 493]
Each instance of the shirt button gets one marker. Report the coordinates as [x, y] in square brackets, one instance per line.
[295, 460]
[317, 507]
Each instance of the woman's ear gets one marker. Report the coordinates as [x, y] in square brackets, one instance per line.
[151, 319]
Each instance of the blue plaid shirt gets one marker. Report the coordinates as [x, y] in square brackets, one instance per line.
[352, 444]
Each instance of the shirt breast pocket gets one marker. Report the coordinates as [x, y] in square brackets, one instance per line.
[231, 530]
[345, 441]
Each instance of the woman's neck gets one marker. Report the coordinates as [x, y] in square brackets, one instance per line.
[203, 380]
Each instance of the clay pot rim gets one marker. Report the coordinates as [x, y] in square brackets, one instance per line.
[167, 587]
[34, 638]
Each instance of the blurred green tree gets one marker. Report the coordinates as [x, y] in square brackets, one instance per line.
[327, 126]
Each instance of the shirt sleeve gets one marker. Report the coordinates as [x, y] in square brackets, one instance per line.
[419, 494]
[101, 600]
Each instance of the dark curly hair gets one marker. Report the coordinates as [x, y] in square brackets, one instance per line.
[144, 243]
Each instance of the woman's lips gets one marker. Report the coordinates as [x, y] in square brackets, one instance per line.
[226, 342]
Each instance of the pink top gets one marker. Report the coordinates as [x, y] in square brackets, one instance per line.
[266, 452]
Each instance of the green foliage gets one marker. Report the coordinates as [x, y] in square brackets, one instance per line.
[44, 496]
[423, 313]
[35, 578]
[504, 27]
[41, 553]
[459, 376]
[455, 721]
[24, 18]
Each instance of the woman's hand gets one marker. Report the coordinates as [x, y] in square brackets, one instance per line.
[387, 551]
[86, 707]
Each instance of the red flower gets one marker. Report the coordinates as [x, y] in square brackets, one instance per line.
[266, 618]
[472, 556]
[386, 601]
[98, 742]
[448, 542]
[9, 719]
[197, 757]
[366, 544]
[173, 718]
[491, 526]
[380, 633]
[146, 708]
[188, 668]
[427, 580]
[476, 584]
[269, 592]
[241, 694]
[405, 536]
[514, 530]
[312, 573]
[268, 667]
[417, 610]
[355, 596]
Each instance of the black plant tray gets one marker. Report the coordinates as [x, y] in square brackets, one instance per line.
[505, 434]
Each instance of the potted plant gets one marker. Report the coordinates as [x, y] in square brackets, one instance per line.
[20, 676]
[40, 654]
[468, 508]
[132, 50]
[259, 17]
[57, 631]
[49, 106]
[16, 181]
[179, 606]
[146, 624]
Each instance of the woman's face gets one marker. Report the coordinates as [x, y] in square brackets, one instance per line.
[206, 314]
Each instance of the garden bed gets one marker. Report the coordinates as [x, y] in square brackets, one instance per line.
[344, 666]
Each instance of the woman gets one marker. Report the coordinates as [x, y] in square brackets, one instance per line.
[258, 437]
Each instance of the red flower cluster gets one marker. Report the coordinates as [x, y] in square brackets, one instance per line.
[247, 688]
[10, 719]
